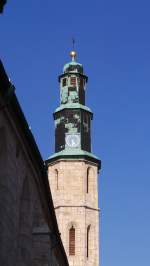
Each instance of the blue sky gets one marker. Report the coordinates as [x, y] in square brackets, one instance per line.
[113, 44]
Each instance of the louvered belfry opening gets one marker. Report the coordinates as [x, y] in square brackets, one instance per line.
[73, 81]
[72, 241]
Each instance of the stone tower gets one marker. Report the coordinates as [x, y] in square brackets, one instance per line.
[73, 170]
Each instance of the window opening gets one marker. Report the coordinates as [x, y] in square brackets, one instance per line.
[73, 81]
[72, 241]
[81, 82]
[87, 181]
[88, 231]
[64, 82]
[56, 179]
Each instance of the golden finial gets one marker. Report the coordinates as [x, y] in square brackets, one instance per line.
[73, 53]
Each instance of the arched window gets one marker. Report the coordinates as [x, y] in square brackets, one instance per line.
[90, 181]
[72, 241]
[87, 238]
[56, 179]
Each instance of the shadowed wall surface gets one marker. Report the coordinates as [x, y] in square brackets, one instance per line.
[29, 234]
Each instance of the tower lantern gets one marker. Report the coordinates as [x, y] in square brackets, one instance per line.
[73, 170]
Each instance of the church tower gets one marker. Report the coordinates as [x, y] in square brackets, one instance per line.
[73, 170]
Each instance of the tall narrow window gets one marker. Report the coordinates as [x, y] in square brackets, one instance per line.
[87, 180]
[73, 81]
[64, 82]
[56, 179]
[72, 241]
[81, 82]
[88, 231]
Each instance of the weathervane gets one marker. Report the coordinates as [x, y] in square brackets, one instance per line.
[73, 43]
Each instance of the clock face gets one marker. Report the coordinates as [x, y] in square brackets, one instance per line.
[73, 140]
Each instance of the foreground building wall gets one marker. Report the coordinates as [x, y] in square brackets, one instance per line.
[28, 229]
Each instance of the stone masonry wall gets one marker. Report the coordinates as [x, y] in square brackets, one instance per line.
[75, 193]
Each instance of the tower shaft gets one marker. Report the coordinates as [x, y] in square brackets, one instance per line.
[73, 171]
